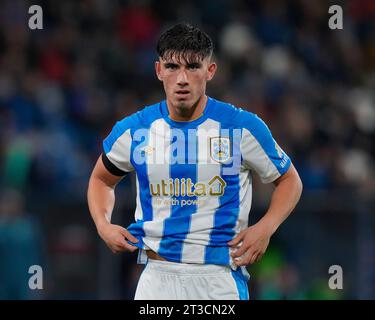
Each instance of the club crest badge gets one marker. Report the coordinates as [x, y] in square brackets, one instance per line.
[220, 149]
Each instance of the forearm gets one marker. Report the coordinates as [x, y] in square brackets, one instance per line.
[101, 201]
[284, 199]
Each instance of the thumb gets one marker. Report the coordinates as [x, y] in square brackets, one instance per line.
[237, 239]
[128, 235]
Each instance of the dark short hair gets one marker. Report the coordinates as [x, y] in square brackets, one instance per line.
[185, 42]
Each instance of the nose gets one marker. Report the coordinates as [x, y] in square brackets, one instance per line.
[182, 79]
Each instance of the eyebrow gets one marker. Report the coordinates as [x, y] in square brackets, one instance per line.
[192, 64]
[170, 64]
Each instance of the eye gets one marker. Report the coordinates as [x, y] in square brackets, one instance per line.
[171, 66]
[193, 66]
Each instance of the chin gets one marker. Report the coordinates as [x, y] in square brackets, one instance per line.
[182, 104]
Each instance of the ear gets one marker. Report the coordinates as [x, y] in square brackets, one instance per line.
[211, 71]
[158, 70]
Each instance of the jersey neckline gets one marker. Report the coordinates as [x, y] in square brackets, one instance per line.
[186, 124]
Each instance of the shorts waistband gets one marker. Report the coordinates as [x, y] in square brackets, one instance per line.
[186, 268]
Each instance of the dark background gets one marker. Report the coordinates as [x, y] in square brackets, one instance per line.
[62, 89]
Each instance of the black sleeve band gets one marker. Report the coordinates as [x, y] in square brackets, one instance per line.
[111, 167]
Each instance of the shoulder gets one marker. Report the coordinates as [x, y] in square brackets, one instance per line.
[127, 126]
[223, 111]
[228, 113]
[140, 119]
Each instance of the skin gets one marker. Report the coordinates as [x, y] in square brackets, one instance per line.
[185, 86]
[101, 200]
[179, 77]
[251, 243]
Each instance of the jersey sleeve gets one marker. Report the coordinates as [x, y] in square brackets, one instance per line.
[260, 151]
[116, 154]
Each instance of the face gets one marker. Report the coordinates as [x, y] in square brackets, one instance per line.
[184, 83]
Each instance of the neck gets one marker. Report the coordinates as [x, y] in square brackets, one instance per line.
[187, 114]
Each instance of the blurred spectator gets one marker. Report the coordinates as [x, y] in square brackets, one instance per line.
[20, 247]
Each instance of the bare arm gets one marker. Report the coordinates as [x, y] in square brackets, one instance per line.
[101, 200]
[288, 189]
[255, 239]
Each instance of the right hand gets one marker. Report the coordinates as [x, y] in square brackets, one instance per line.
[115, 238]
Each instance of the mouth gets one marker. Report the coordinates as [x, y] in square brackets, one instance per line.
[182, 93]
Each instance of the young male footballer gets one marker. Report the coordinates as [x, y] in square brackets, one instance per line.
[194, 157]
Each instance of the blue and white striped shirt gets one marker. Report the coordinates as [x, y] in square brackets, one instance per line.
[194, 183]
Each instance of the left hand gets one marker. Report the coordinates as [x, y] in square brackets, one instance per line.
[255, 240]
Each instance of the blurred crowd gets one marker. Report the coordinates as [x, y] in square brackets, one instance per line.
[63, 87]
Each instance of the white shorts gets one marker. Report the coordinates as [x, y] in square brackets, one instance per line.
[164, 280]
